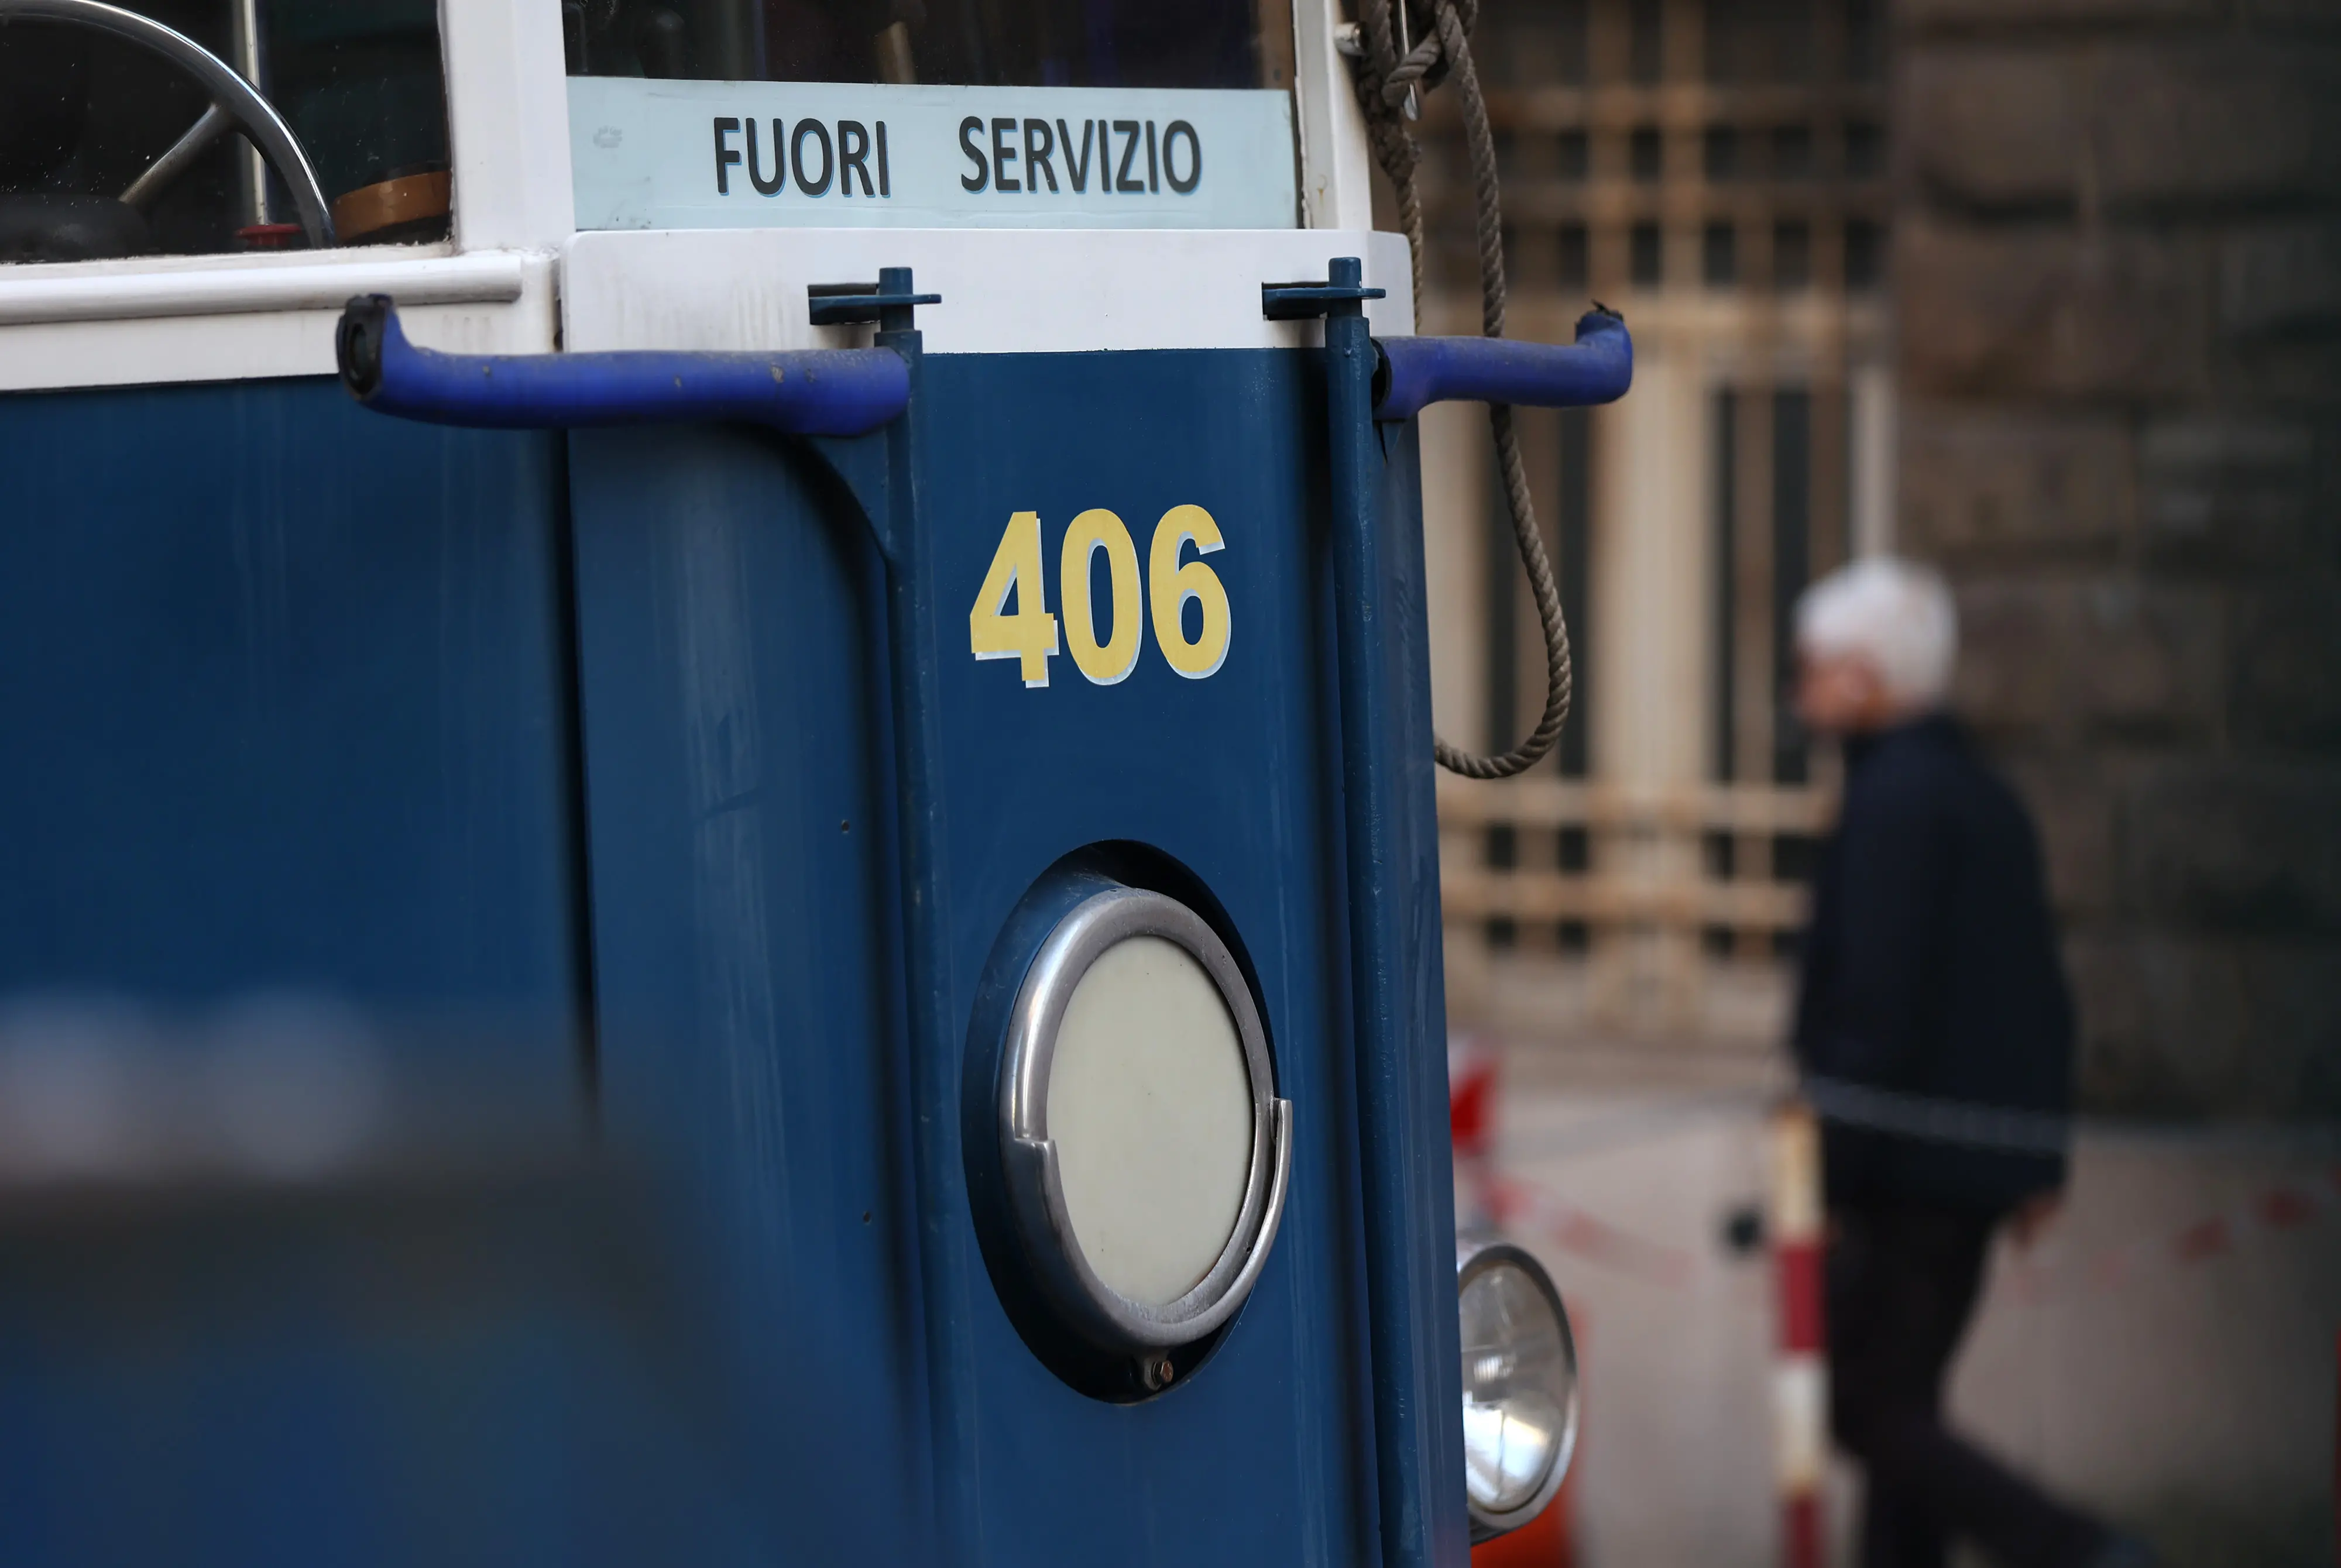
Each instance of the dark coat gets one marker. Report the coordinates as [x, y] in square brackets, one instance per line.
[1930, 969]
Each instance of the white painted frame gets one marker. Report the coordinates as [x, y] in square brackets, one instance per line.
[493, 286]
[1336, 167]
[499, 286]
[1004, 291]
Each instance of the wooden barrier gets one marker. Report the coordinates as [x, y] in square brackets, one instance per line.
[1646, 893]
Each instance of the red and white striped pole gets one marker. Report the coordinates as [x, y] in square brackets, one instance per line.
[1800, 1374]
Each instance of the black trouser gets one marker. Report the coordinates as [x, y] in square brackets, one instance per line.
[1902, 1283]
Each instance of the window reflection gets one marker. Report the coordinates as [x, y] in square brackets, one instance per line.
[105, 149]
[979, 43]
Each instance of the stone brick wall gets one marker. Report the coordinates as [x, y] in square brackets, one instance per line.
[2119, 283]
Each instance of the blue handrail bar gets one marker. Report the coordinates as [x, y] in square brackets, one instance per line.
[816, 392]
[1417, 371]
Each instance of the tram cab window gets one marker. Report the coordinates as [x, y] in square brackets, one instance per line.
[689, 115]
[1199, 43]
[111, 145]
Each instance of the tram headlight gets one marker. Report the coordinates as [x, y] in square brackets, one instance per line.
[1520, 1385]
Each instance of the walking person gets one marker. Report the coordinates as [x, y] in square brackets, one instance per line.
[1930, 969]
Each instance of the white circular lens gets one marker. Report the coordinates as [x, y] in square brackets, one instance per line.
[1519, 1387]
[1143, 1151]
[1149, 1104]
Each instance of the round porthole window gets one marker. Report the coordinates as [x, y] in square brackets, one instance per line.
[1143, 1152]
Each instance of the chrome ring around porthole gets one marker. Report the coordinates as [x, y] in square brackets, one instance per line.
[1143, 1148]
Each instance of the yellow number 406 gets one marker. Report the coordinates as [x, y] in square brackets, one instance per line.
[1029, 633]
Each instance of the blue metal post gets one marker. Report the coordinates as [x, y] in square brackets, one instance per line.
[1414, 1465]
[912, 635]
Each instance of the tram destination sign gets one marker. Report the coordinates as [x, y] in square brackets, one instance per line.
[668, 155]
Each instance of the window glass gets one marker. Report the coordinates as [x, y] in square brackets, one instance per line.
[1792, 152]
[1864, 255]
[1571, 154]
[1647, 47]
[1646, 258]
[1865, 149]
[107, 148]
[1721, 144]
[1718, 252]
[1792, 253]
[955, 42]
[1648, 153]
[1574, 253]
[1000, 114]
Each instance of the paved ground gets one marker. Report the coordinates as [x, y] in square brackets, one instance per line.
[2167, 1353]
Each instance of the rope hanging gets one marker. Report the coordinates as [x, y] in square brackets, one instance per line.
[1385, 80]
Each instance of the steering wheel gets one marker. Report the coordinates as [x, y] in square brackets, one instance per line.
[234, 103]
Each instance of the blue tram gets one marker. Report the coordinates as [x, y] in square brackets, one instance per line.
[835, 586]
